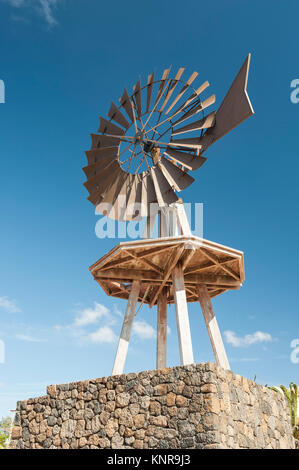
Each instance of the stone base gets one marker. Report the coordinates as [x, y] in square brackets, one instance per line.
[200, 406]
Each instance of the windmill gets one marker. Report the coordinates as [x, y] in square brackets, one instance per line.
[141, 158]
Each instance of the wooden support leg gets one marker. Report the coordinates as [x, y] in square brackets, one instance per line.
[212, 327]
[182, 219]
[149, 226]
[182, 317]
[164, 222]
[173, 223]
[161, 329]
[124, 339]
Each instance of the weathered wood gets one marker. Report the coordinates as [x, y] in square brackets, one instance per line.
[145, 261]
[163, 222]
[126, 263]
[174, 258]
[161, 329]
[124, 339]
[182, 317]
[212, 327]
[147, 275]
[173, 224]
[216, 261]
[202, 266]
[149, 226]
[182, 219]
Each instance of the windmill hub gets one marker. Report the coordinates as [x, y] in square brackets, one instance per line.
[139, 138]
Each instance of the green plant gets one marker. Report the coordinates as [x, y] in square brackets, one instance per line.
[291, 394]
[5, 430]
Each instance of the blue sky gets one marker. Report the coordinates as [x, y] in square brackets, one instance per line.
[62, 62]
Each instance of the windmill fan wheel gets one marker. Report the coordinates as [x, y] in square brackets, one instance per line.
[136, 158]
[144, 151]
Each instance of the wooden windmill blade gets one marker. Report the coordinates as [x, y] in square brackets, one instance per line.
[95, 168]
[98, 187]
[205, 123]
[148, 194]
[137, 95]
[162, 86]
[188, 160]
[126, 103]
[100, 141]
[133, 199]
[172, 87]
[97, 154]
[150, 82]
[121, 188]
[107, 127]
[183, 91]
[164, 191]
[197, 109]
[176, 177]
[116, 115]
[194, 95]
[101, 180]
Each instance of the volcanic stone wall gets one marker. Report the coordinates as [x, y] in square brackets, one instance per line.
[199, 406]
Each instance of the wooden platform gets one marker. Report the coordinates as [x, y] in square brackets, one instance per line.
[152, 261]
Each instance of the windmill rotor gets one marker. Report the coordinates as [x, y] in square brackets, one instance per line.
[146, 147]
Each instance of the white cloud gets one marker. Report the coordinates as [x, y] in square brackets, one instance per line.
[90, 316]
[143, 330]
[9, 305]
[103, 335]
[46, 8]
[30, 339]
[247, 340]
[43, 7]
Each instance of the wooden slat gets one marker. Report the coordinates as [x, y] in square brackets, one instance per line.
[215, 260]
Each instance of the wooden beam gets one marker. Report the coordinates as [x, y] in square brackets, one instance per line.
[212, 327]
[127, 275]
[188, 255]
[116, 262]
[213, 279]
[161, 329]
[174, 258]
[149, 226]
[146, 261]
[217, 262]
[203, 266]
[182, 316]
[182, 219]
[124, 339]
[163, 222]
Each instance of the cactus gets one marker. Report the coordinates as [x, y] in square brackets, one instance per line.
[291, 394]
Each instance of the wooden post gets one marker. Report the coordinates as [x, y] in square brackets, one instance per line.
[212, 327]
[124, 339]
[163, 222]
[182, 219]
[161, 329]
[182, 317]
[173, 223]
[149, 226]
